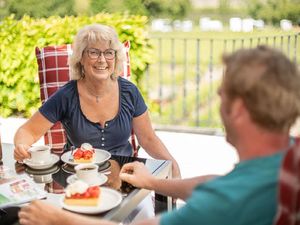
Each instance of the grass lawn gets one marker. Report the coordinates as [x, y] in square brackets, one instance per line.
[182, 81]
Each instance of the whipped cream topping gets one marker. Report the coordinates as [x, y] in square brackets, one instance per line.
[76, 187]
[86, 146]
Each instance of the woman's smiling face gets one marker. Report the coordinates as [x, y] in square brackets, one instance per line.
[99, 68]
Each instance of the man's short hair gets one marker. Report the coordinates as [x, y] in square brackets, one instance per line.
[268, 83]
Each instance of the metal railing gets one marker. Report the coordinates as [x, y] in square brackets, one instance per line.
[181, 84]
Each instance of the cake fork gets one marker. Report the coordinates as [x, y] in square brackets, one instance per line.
[71, 158]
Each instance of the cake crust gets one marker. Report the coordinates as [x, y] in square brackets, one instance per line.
[82, 160]
[81, 202]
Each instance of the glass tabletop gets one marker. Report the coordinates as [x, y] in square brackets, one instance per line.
[54, 179]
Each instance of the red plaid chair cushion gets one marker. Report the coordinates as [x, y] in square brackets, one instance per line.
[54, 73]
[288, 211]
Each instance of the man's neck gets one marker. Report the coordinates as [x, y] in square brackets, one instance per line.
[261, 144]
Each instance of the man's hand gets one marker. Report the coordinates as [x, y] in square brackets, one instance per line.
[39, 213]
[137, 174]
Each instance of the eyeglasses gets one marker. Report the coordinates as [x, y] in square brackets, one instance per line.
[94, 53]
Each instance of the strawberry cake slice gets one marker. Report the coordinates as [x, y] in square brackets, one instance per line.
[84, 154]
[81, 194]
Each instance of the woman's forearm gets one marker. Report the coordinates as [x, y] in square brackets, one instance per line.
[22, 136]
[156, 149]
[32, 130]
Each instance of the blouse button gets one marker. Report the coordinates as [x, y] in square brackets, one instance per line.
[106, 125]
[102, 131]
[103, 139]
[102, 144]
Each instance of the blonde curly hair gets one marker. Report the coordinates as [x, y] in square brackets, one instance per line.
[91, 34]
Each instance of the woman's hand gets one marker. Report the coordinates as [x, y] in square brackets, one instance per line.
[28, 134]
[175, 170]
[137, 174]
[21, 152]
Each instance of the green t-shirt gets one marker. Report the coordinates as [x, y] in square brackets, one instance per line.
[246, 196]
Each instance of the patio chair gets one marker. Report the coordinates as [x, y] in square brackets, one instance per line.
[288, 210]
[54, 73]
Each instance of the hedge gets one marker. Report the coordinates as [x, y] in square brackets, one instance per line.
[19, 86]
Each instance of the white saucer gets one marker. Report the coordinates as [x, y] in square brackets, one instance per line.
[101, 179]
[34, 165]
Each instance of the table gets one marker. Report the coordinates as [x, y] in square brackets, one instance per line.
[132, 196]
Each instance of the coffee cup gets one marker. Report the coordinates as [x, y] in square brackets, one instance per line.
[87, 172]
[40, 154]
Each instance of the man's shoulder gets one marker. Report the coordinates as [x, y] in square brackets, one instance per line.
[252, 174]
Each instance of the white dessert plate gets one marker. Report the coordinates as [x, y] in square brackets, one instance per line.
[100, 157]
[45, 165]
[109, 199]
[101, 179]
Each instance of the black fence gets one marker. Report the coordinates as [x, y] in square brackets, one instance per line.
[181, 84]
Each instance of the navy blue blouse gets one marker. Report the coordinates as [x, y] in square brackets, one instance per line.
[64, 106]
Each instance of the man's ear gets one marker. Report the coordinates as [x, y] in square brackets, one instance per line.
[238, 109]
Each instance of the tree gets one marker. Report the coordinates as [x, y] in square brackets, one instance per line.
[37, 9]
[167, 8]
[136, 7]
[110, 6]
[273, 11]
[151, 8]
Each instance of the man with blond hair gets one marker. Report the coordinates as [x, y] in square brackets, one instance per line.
[260, 100]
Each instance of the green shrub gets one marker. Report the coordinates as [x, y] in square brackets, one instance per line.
[273, 11]
[19, 86]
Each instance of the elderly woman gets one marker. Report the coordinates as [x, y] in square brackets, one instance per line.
[96, 106]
